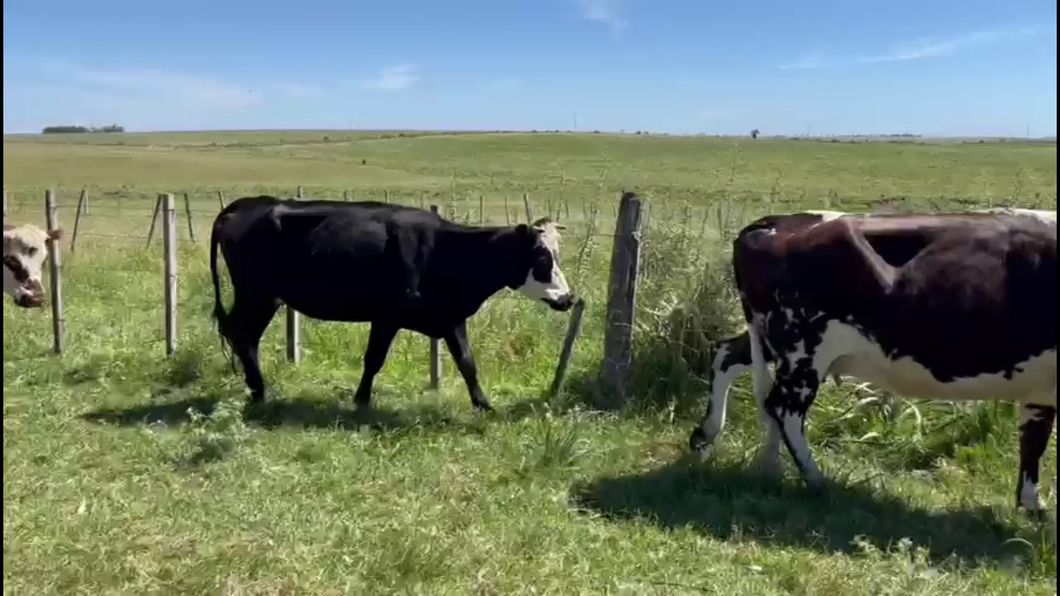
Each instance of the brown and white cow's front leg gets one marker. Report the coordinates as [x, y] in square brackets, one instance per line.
[1036, 425]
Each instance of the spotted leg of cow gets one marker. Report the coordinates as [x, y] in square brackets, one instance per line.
[794, 391]
[460, 349]
[379, 340]
[244, 326]
[732, 357]
[769, 455]
[1036, 424]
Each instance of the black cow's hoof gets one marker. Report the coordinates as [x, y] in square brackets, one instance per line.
[483, 406]
[698, 441]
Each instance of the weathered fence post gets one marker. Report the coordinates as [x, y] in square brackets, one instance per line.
[187, 212]
[169, 242]
[435, 355]
[481, 210]
[81, 207]
[54, 268]
[294, 325]
[154, 219]
[221, 199]
[84, 197]
[622, 292]
[573, 329]
[526, 204]
[386, 196]
[507, 214]
[346, 196]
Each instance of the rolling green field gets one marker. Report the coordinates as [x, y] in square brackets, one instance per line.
[126, 472]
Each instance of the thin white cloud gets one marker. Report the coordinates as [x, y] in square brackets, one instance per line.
[298, 90]
[809, 60]
[944, 47]
[504, 84]
[605, 12]
[920, 49]
[186, 89]
[393, 78]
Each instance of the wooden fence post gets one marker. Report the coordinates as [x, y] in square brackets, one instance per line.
[187, 212]
[481, 210]
[386, 196]
[169, 242]
[526, 204]
[346, 195]
[573, 329]
[293, 324]
[622, 292]
[154, 219]
[84, 197]
[507, 214]
[82, 205]
[435, 355]
[54, 268]
[221, 199]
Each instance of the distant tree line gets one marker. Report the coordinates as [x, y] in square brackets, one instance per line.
[77, 129]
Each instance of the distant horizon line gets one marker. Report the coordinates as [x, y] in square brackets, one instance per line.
[1052, 137]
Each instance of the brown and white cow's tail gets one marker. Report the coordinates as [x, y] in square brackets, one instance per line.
[219, 313]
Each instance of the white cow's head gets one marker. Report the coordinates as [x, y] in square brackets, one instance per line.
[25, 250]
[544, 279]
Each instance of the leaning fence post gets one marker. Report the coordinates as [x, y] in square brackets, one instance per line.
[82, 205]
[294, 327]
[435, 355]
[526, 204]
[84, 197]
[573, 329]
[169, 242]
[154, 219]
[221, 199]
[622, 292]
[54, 268]
[187, 211]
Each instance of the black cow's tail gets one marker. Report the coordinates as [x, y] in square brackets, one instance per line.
[219, 313]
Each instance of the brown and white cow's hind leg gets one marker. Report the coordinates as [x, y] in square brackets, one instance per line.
[732, 357]
[794, 390]
[764, 387]
[1036, 425]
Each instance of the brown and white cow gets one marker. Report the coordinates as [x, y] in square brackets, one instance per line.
[25, 251]
[954, 306]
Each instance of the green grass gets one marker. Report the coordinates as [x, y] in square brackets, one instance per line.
[125, 472]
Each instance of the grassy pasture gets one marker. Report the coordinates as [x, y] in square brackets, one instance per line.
[111, 484]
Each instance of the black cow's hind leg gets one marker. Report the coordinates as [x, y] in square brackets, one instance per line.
[1036, 424]
[379, 340]
[456, 341]
[244, 326]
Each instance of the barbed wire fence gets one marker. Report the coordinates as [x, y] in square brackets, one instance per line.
[167, 208]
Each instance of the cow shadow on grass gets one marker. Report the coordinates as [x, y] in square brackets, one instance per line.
[730, 501]
[312, 411]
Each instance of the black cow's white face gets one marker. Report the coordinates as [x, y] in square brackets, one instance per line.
[545, 281]
[25, 250]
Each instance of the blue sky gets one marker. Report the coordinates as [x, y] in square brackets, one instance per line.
[933, 67]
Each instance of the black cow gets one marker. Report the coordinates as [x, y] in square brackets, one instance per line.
[393, 266]
[958, 306]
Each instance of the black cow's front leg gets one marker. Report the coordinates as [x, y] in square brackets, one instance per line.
[788, 404]
[1036, 424]
[456, 341]
[379, 339]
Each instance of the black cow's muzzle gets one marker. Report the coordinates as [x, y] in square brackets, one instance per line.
[563, 304]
